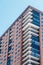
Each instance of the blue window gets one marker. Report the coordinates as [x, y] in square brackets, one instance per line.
[0, 62]
[36, 21]
[36, 38]
[35, 60]
[9, 48]
[34, 63]
[35, 45]
[35, 55]
[0, 50]
[10, 41]
[35, 16]
[35, 51]
[35, 12]
[8, 62]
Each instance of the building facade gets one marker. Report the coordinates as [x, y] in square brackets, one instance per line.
[22, 42]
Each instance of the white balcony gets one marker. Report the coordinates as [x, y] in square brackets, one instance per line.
[25, 62]
[34, 34]
[29, 10]
[29, 29]
[29, 52]
[29, 33]
[29, 64]
[30, 24]
[28, 48]
[28, 56]
[26, 45]
[27, 37]
[35, 58]
[28, 14]
[27, 42]
[31, 57]
[27, 19]
[37, 63]
[26, 33]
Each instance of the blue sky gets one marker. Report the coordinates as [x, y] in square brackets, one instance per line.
[11, 9]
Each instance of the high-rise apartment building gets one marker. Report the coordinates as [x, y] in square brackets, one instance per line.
[22, 42]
